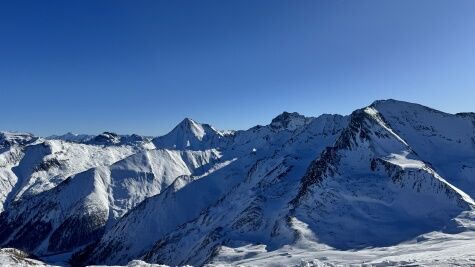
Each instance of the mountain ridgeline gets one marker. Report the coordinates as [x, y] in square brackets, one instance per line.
[385, 174]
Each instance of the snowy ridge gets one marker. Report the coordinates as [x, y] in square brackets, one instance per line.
[389, 180]
[71, 137]
[8, 139]
[33, 168]
[103, 139]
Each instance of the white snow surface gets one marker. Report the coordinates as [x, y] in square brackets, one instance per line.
[15, 257]
[10, 257]
[37, 167]
[431, 249]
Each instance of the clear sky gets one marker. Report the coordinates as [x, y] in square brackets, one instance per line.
[142, 66]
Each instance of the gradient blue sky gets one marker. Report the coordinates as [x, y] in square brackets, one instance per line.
[142, 66]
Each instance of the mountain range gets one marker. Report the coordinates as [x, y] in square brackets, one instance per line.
[388, 184]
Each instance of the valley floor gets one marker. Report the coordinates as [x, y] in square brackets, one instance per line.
[432, 249]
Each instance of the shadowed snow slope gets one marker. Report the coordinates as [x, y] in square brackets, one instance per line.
[353, 188]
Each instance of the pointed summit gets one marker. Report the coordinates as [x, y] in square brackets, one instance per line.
[191, 127]
[189, 134]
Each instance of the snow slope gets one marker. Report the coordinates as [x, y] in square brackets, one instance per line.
[15, 257]
[431, 249]
[78, 210]
[41, 165]
[444, 140]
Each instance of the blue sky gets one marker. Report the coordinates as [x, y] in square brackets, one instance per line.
[142, 66]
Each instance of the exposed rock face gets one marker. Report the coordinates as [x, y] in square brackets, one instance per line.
[9, 139]
[289, 121]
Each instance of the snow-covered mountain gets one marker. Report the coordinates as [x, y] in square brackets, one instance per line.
[387, 175]
[105, 139]
[191, 135]
[72, 137]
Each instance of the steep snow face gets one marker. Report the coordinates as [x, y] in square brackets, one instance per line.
[35, 167]
[191, 135]
[148, 173]
[79, 210]
[10, 157]
[444, 140]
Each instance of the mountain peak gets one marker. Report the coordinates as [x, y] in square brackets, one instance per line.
[393, 103]
[190, 127]
[187, 121]
[289, 121]
[189, 134]
[397, 107]
[389, 100]
[106, 138]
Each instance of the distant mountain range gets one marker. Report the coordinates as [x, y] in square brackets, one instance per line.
[391, 179]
